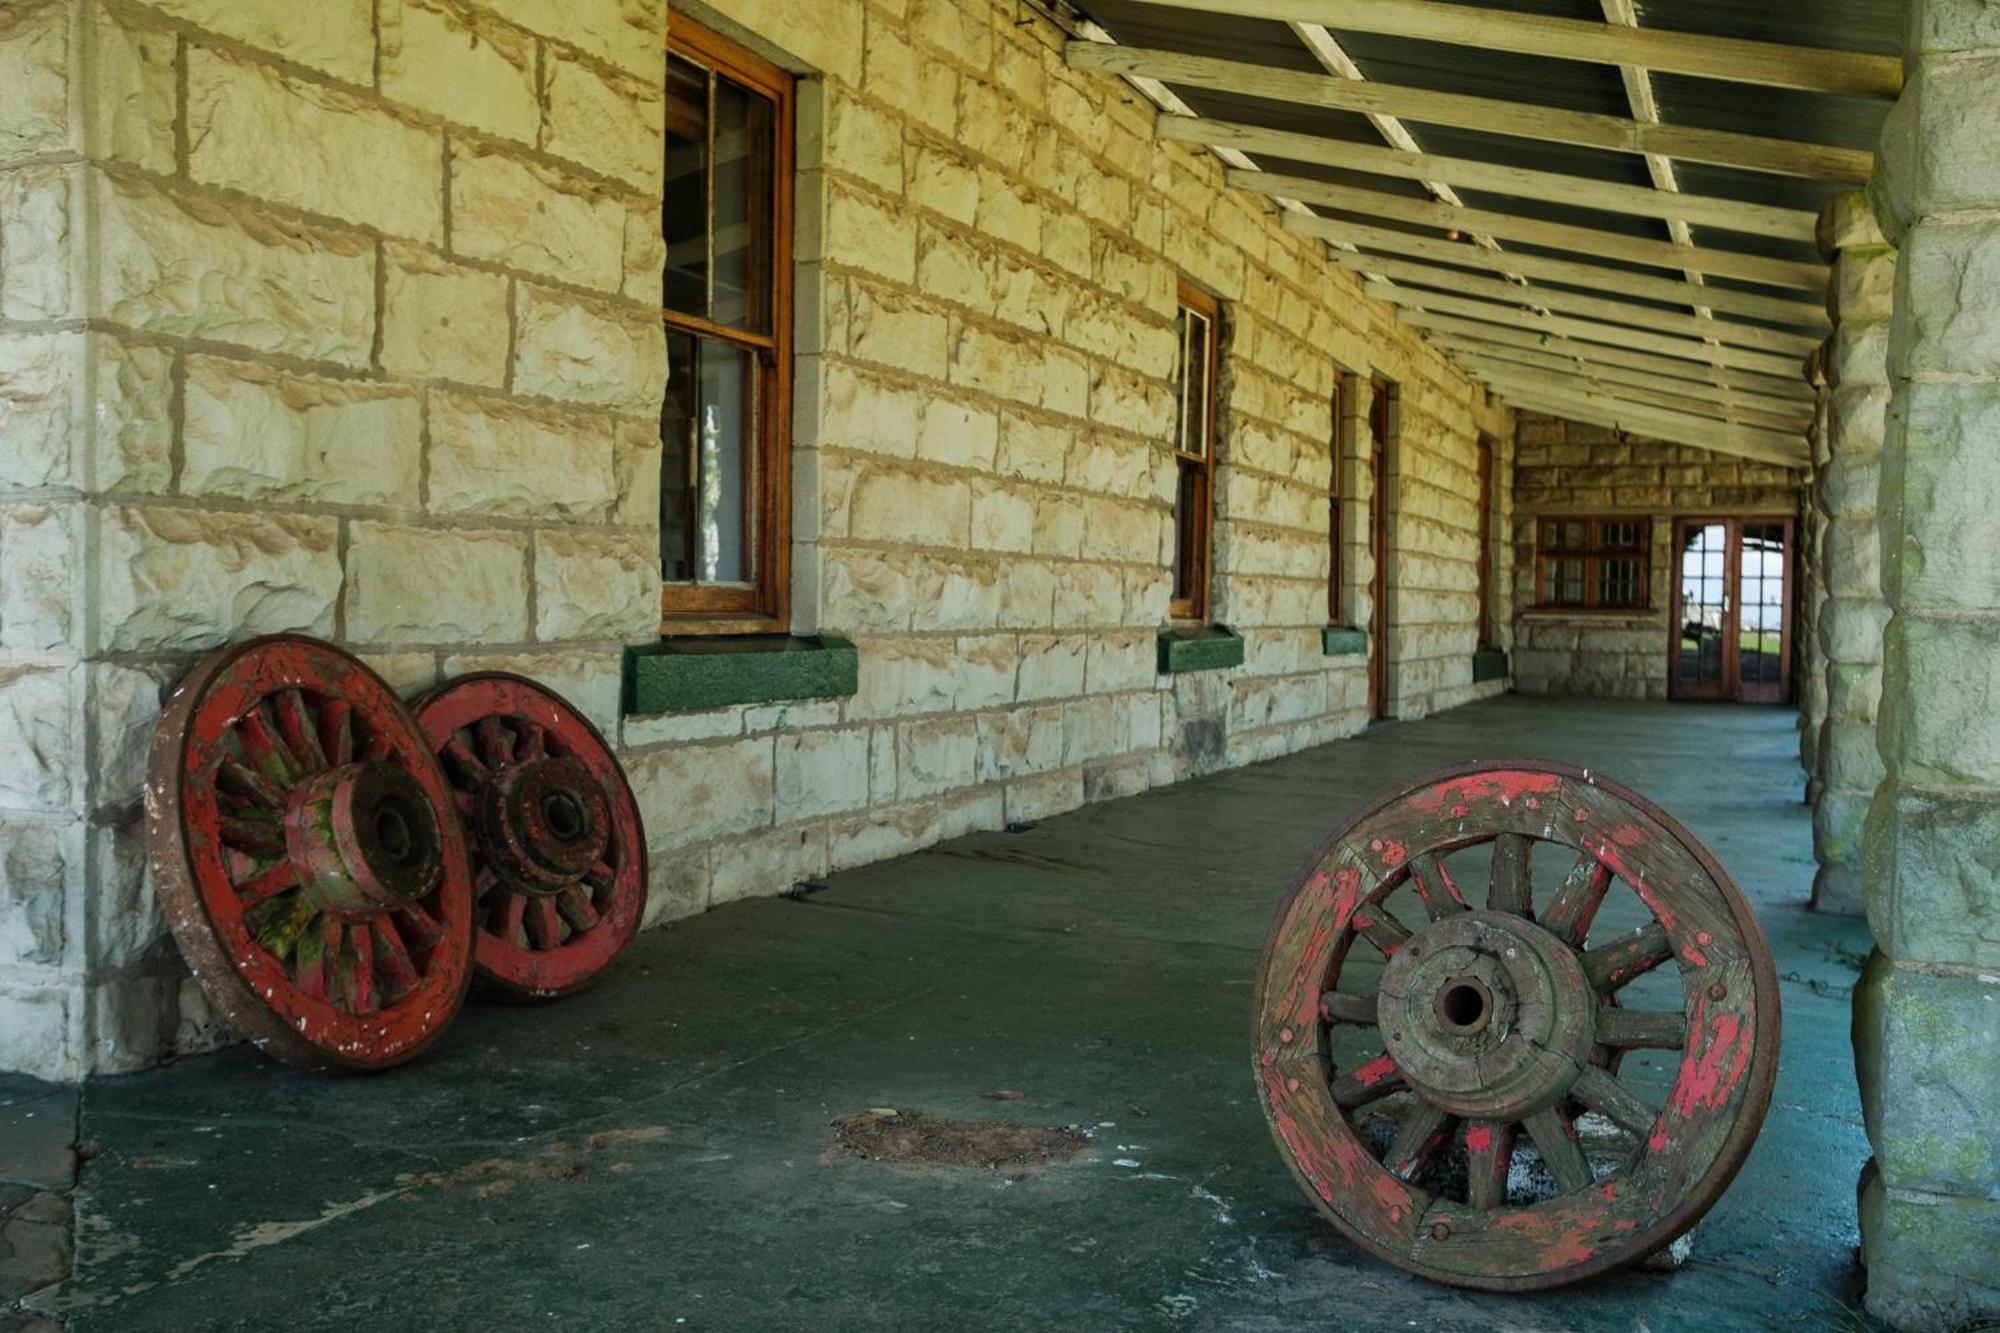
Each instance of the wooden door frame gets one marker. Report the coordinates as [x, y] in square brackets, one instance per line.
[1730, 689]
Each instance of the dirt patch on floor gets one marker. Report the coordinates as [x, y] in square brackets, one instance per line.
[928, 1140]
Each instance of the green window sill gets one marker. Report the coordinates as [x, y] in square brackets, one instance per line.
[679, 675]
[1488, 664]
[1337, 642]
[1215, 648]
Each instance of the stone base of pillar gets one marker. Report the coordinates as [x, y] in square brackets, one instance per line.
[1930, 1258]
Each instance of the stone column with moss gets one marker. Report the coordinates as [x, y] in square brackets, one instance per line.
[1927, 1012]
[1811, 583]
[1854, 610]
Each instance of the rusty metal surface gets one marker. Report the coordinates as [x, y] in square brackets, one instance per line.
[1431, 1106]
[293, 828]
[558, 848]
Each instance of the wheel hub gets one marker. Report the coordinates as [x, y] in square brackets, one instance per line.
[363, 838]
[543, 824]
[1487, 1015]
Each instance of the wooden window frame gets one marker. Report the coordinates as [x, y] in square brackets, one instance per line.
[765, 606]
[1488, 635]
[1593, 552]
[1194, 300]
[1336, 588]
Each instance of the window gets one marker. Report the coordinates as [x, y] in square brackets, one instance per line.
[1194, 451]
[1485, 526]
[1595, 564]
[724, 477]
[1334, 572]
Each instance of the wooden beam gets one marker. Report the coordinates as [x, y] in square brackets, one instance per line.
[1763, 446]
[1792, 386]
[1618, 312]
[1596, 277]
[1554, 235]
[1784, 157]
[1635, 200]
[1584, 330]
[1501, 375]
[1786, 412]
[1639, 96]
[1768, 64]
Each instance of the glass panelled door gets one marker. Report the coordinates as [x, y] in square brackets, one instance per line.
[1732, 609]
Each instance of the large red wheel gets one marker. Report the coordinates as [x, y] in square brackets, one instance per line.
[293, 819]
[558, 850]
[1455, 1093]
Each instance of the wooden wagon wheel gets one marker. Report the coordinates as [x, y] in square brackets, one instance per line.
[1430, 1024]
[558, 849]
[293, 821]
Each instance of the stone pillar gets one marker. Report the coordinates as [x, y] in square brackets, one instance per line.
[1854, 612]
[1811, 576]
[1927, 1011]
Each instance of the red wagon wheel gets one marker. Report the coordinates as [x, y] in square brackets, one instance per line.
[293, 823]
[558, 850]
[1453, 1093]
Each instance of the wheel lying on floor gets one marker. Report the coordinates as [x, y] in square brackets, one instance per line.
[1455, 1094]
[558, 850]
[294, 821]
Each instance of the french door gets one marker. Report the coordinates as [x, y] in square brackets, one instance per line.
[1732, 609]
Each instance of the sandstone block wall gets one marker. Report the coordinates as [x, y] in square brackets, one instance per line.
[343, 318]
[1566, 467]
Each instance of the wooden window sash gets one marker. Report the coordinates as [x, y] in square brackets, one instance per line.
[1200, 305]
[1335, 582]
[763, 604]
[1593, 551]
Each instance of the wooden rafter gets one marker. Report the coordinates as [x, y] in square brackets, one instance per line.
[1789, 412]
[1555, 235]
[1765, 446]
[1607, 354]
[1595, 277]
[1751, 152]
[1503, 374]
[1585, 330]
[1810, 69]
[1497, 178]
[1650, 318]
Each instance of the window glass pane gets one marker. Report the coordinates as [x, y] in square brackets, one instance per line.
[745, 135]
[709, 433]
[1193, 498]
[728, 391]
[685, 218]
[679, 450]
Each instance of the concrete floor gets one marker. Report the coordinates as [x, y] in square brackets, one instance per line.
[655, 1154]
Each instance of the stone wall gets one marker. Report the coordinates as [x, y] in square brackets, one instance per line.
[343, 319]
[1566, 467]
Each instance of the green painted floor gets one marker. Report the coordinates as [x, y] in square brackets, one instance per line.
[656, 1154]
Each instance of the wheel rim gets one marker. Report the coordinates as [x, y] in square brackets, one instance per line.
[1424, 1038]
[558, 849]
[293, 828]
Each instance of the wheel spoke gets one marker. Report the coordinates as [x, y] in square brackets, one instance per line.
[542, 924]
[1555, 1139]
[575, 906]
[419, 927]
[1614, 965]
[494, 744]
[1369, 1082]
[295, 725]
[336, 732]
[311, 961]
[504, 916]
[1665, 1031]
[393, 961]
[1435, 886]
[1575, 905]
[1613, 1100]
[245, 782]
[267, 883]
[361, 978]
[1426, 1131]
[1338, 1007]
[1381, 930]
[1511, 889]
[266, 752]
[531, 740]
[1489, 1156]
[252, 835]
[483, 883]
[476, 773]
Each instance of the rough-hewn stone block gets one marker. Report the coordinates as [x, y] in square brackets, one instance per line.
[624, 32]
[35, 66]
[591, 585]
[41, 230]
[40, 592]
[253, 433]
[821, 773]
[43, 407]
[526, 216]
[183, 579]
[609, 123]
[489, 456]
[197, 268]
[430, 585]
[1923, 1045]
[691, 793]
[43, 771]
[442, 320]
[451, 61]
[584, 352]
[248, 124]
[334, 36]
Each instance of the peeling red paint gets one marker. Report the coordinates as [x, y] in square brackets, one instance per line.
[1505, 787]
[1478, 1139]
[1710, 1072]
[1375, 1071]
[1394, 854]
